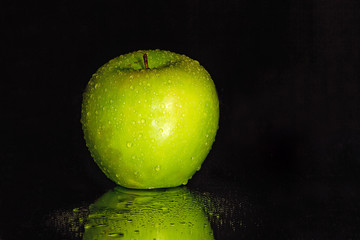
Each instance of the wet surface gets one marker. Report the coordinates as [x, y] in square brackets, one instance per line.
[316, 209]
[175, 213]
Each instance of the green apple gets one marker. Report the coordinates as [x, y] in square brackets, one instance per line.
[160, 214]
[150, 118]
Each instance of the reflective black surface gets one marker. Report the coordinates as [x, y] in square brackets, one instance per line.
[286, 160]
[326, 208]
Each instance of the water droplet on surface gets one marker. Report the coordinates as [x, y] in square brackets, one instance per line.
[157, 168]
[185, 182]
[97, 85]
[131, 87]
[143, 120]
[129, 144]
[162, 105]
[161, 130]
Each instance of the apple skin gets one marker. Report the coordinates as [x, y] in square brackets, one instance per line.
[150, 127]
[171, 213]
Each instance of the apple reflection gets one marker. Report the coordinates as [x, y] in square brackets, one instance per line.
[147, 214]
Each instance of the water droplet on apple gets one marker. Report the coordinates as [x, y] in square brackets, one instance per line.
[157, 168]
[97, 85]
[116, 235]
[143, 120]
[162, 105]
[131, 87]
[133, 157]
[129, 144]
[185, 182]
[198, 168]
[161, 130]
[136, 173]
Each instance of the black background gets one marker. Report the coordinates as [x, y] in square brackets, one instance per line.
[287, 76]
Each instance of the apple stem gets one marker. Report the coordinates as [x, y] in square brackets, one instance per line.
[146, 61]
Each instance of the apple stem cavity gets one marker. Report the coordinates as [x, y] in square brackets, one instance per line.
[146, 61]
